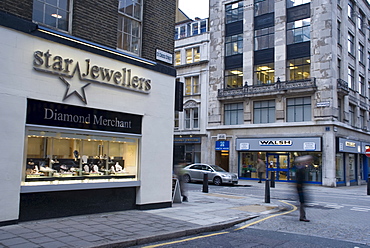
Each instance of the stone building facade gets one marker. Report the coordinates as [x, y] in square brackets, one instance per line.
[288, 78]
[191, 63]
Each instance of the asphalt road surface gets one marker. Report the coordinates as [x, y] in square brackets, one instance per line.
[339, 218]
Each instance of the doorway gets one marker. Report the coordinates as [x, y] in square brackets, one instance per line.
[222, 160]
[279, 163]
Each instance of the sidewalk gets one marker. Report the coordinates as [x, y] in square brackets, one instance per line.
[203, 213]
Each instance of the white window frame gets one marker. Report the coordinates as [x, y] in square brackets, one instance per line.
[191, 115]
[192, 86]
[121, 32]
[192, 57]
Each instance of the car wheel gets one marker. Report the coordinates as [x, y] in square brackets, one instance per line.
[187, 178]
[217, 181]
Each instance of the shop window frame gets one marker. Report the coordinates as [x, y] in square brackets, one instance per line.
[80, 179]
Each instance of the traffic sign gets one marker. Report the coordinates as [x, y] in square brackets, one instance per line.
[367, 152]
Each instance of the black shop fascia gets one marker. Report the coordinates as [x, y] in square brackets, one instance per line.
[68, 116]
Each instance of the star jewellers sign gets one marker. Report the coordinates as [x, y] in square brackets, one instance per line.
[87, 73]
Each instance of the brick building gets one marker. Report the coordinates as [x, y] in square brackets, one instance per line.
[84, 86]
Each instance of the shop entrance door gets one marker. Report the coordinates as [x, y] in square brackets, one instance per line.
[279, 163]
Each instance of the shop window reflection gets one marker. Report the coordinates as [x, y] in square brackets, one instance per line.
[54, 157]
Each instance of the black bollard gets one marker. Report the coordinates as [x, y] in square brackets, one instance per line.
[272, 183]
[368, 185]
[205, 183]
[267, 191]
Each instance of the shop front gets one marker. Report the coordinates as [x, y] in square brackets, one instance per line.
[349, 162]
[80, 128]
[187, 149]
[278, 155]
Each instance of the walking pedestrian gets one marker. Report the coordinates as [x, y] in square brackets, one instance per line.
[179, 171]
[302, 163]
[261, 169]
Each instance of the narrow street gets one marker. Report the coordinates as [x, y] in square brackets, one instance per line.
[339, 218]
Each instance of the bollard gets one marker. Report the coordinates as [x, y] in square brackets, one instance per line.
[205, 183]
[368, 186]
[272, 183]
[267, 191]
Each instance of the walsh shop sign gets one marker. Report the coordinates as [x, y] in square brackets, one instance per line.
[87, 71]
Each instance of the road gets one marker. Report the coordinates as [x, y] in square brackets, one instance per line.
[339, 217]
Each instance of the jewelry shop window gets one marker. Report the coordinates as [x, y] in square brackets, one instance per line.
[62, 157]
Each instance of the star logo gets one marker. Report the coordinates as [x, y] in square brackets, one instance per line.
[76, 86]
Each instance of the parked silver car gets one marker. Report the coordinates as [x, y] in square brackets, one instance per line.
[216, 175]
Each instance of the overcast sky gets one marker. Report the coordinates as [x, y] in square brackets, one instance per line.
[194, 8]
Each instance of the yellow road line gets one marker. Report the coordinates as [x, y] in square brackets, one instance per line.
[220, 233]
[184, 240]
[258, 221]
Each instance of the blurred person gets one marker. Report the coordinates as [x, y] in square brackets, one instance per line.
[301, 163]
[179, 172]
[261, 169]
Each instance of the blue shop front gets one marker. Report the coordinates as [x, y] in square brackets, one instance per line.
[279, 155]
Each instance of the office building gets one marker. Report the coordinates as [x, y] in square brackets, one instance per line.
[290, 78]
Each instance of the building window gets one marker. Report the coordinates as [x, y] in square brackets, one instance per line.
[234, 44]
[264, 38]
[193, 153]
[263, 7]
[56, 157]
[190, 29]
[361, 21]
[299, 109]
[340, 110]
[299, 69]
[192, 55]
[177, 58]
[199, 27]
[129, 26]
[351, 115]
[234, 114]
[351, 44]
[181, 32]
[234, 12]
[192, 85]
[298, 31]
[264, 112]
[351, 78]
[264, 74]
[339, 33]
[339, 68]
[362, 119]
[52, 13]
[234, 78]
[361, 49]
[361, 85]
[292, 3]
[351, 10]
[191, 118]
